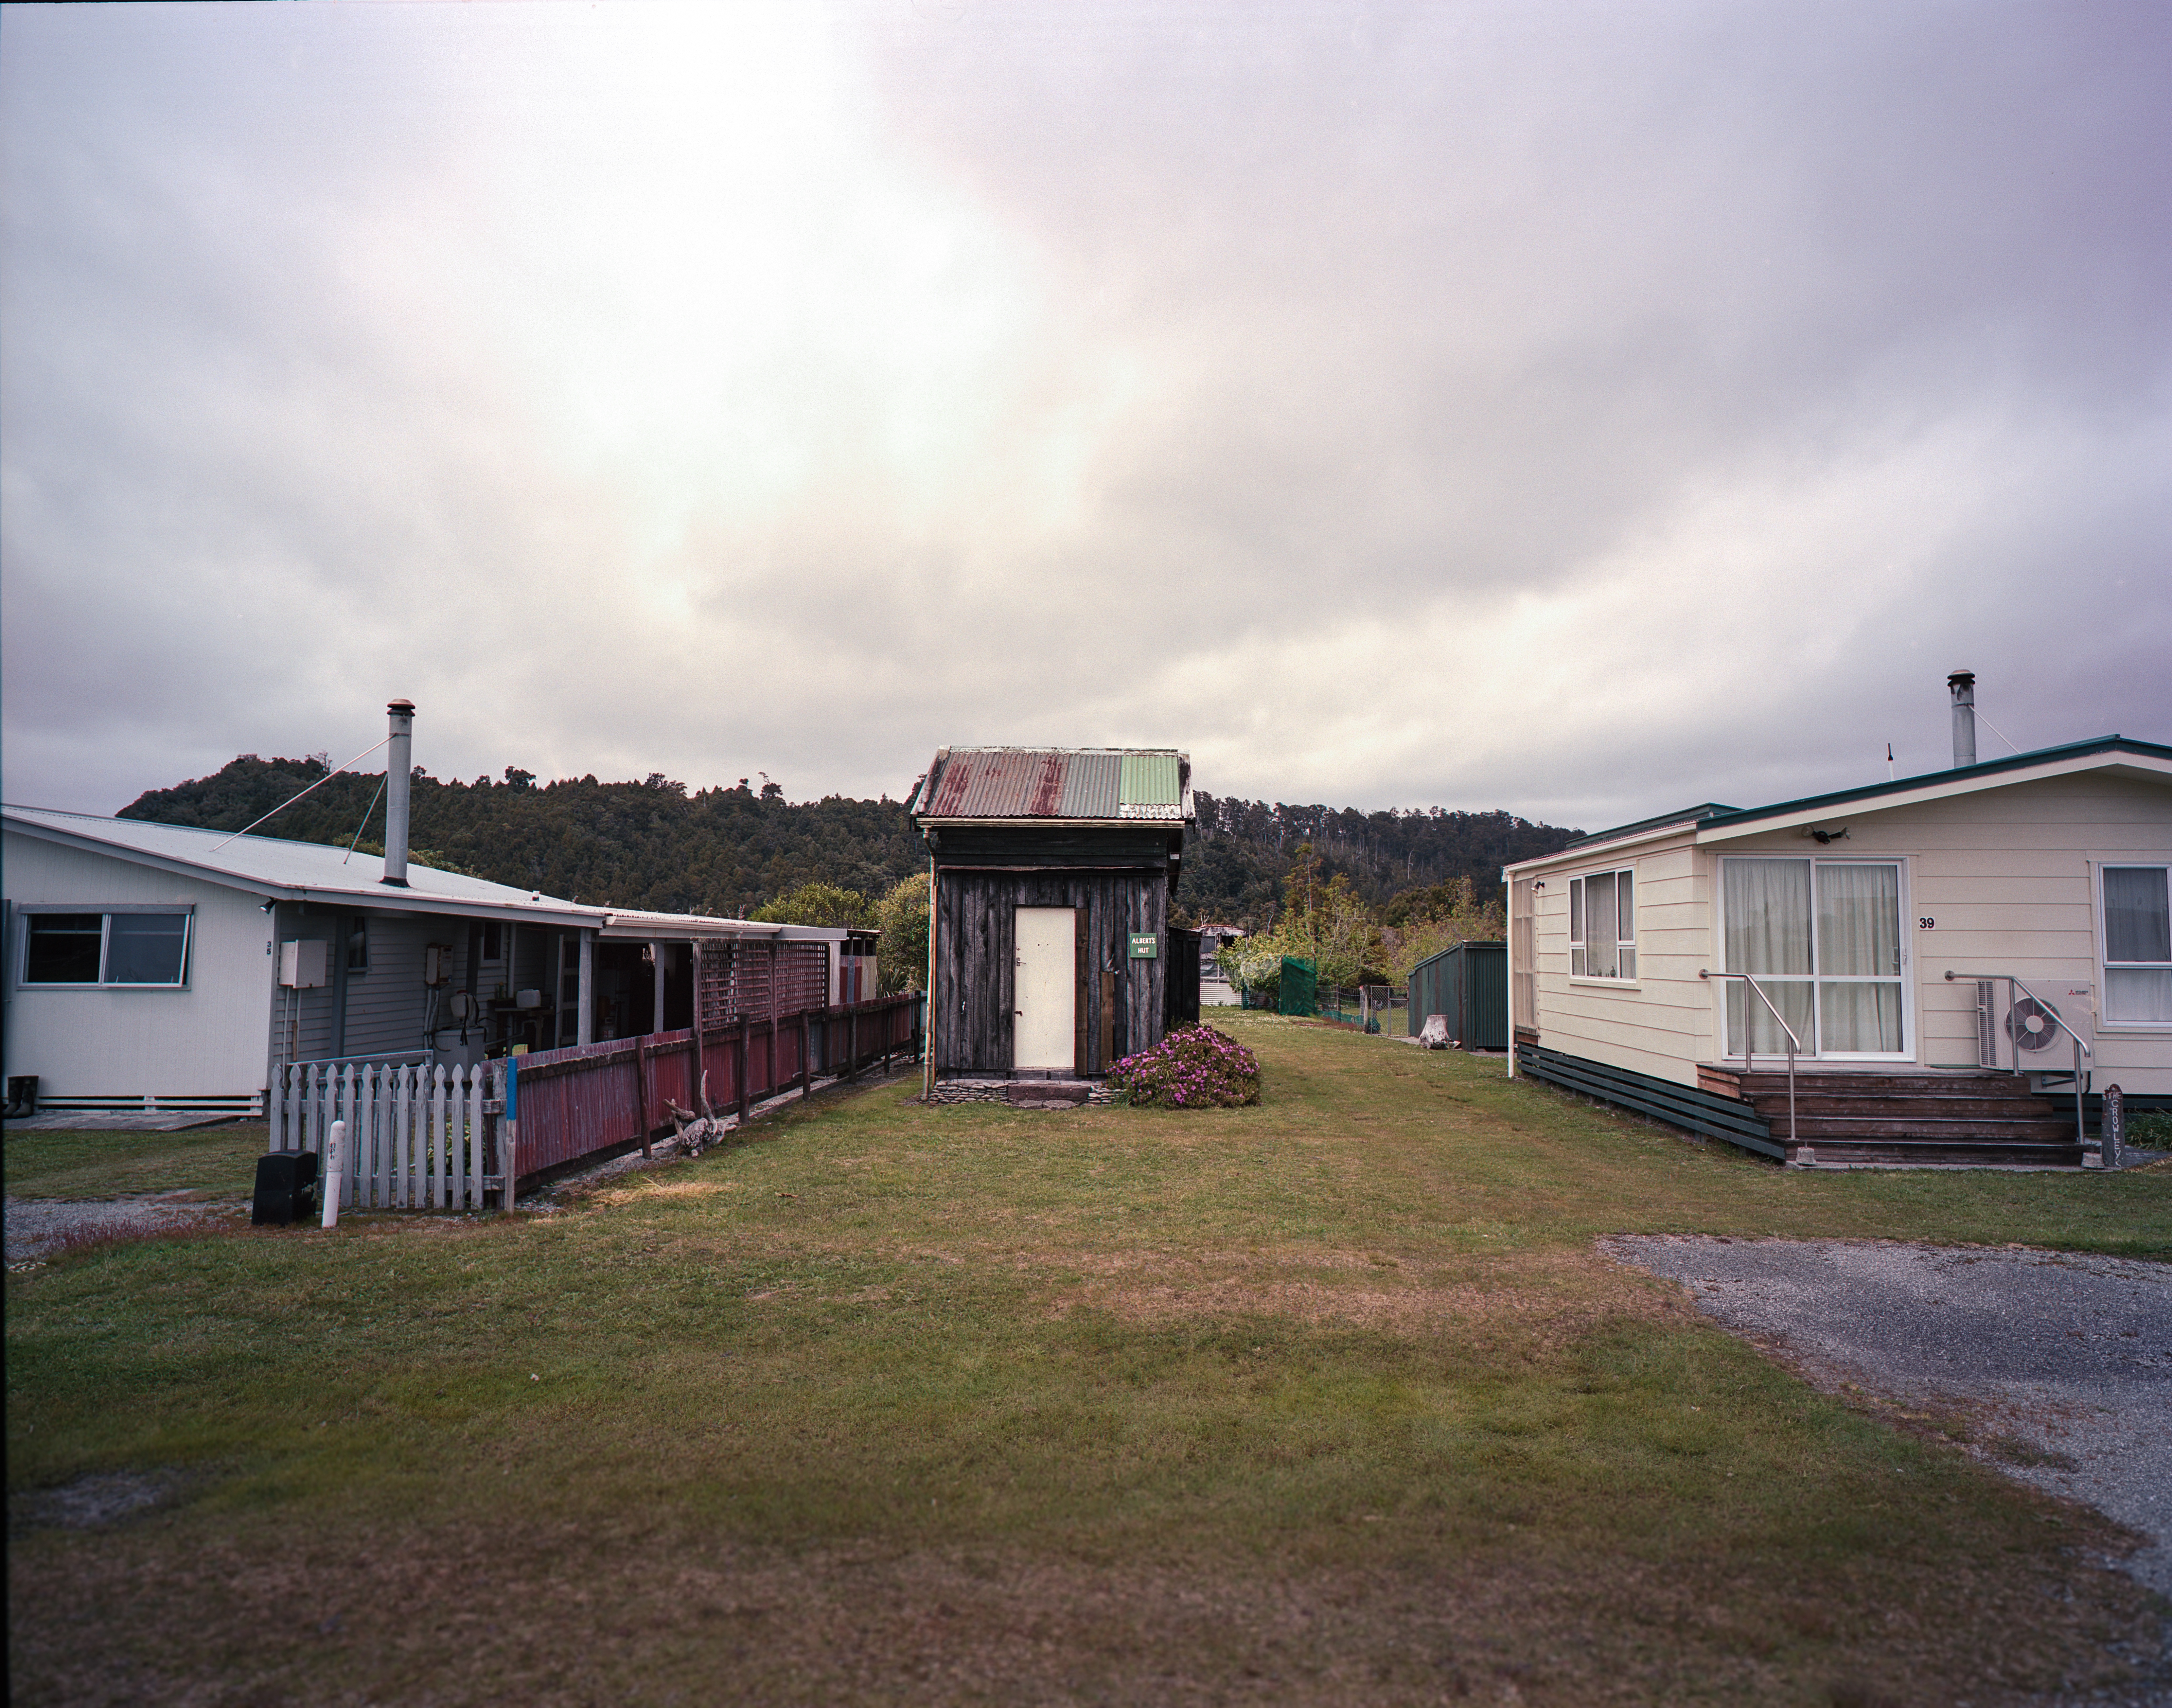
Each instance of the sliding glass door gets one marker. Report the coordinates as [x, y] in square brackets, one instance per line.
[1822, 938]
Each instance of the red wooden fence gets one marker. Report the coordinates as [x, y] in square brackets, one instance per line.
[590, 1097]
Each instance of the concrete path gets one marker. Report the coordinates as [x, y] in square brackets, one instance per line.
[117, 1121]
[2070, 1355]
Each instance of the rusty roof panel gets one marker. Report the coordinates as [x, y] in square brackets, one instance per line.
[1097, 784]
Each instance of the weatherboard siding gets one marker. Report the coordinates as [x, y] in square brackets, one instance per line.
[2006, 874]
[203, 1040]
[2009, 877]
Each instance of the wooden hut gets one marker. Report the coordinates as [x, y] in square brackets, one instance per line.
[1053, 868]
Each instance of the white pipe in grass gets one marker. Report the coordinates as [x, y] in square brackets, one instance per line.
[334, 1154]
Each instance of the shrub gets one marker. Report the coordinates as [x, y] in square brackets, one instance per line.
[2151, 1130]
[1198, 1068]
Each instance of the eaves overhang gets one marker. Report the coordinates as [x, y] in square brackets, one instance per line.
[1583, 851]
[2113, 755]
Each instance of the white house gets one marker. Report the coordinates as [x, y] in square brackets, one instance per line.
[1936, 946]
[149, 965]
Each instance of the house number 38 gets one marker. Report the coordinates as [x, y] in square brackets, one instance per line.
[1926, 923]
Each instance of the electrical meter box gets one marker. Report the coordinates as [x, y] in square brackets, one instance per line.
[436, 963]
[302, 961]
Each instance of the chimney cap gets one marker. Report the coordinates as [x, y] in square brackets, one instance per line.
[1961, 678]
[401, 706]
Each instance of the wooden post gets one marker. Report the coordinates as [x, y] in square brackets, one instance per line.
[776, 1078]
[694, 1090]
[641, 1089]
[1108, 1021]
[851, 1043]
[806, 1059]
[746, 1103]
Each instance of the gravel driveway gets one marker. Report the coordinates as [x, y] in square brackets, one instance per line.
[35, 1225]
[2071, 1355]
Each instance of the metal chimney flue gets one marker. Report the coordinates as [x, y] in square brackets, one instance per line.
[1961, 685]
[399, 766]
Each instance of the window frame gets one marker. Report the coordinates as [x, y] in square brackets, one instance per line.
[26, 913]
[1625, 948]
[1816, 979]
[2106, 966]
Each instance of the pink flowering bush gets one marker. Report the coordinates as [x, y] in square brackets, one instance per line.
[1196, 1068]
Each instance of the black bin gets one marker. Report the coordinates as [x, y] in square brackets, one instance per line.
[286, 1187]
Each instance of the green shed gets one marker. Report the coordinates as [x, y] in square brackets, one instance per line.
[1468, 985]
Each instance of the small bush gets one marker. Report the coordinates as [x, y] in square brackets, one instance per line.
[2150, 1131]
[1196, 1068]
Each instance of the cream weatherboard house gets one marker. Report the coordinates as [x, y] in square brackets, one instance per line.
[1939, 954]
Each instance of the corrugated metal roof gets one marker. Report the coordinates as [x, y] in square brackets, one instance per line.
[270, 864]
[1151, 787]
[1093, 789]
[1103, 783]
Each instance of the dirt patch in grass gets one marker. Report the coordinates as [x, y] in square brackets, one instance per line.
[554, 1613]
[1552, 1294]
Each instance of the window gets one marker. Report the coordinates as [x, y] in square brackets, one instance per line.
[1823, 940]
[120, 947]
[1602, 926]
[358, 946]
[2137, 946]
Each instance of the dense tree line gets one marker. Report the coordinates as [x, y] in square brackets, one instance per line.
[734, 851]
[1236, 861]
[647, 844]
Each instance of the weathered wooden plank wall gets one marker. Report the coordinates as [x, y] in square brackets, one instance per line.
[976, 943]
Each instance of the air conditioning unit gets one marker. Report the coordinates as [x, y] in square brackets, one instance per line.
[2033, 1032]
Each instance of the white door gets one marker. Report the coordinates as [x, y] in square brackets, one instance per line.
[1046, 981]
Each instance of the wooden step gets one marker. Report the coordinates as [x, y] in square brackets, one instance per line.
[1809, 1125]
[1838, 1085]
[1978, 1118]
[1948, 1108]
[1906, 1152]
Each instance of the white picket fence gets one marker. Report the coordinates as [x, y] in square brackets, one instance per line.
[417, 1136]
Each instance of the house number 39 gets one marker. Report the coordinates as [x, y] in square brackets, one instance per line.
[1926, 923]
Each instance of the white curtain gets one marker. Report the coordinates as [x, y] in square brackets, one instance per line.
[1859, 922]
[1768, 936]
[1860, 1017]
[2137, 994]
[1859, 937]
[2137, 921]
[1598, 933]
[2137, 927]
[1768, 917]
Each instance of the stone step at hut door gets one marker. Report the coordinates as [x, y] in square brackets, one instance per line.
[1045, 978]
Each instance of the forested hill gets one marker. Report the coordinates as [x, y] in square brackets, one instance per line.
[1233, 868]
[728, 851]
[647, 844]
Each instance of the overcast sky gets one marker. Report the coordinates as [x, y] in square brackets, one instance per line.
[1581, 409]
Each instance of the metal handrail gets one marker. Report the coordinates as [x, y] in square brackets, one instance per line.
[2081, 1049]
[1749, 1058]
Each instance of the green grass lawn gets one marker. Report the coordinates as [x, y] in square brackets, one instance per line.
[1328, 1400]
[215, 1161]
